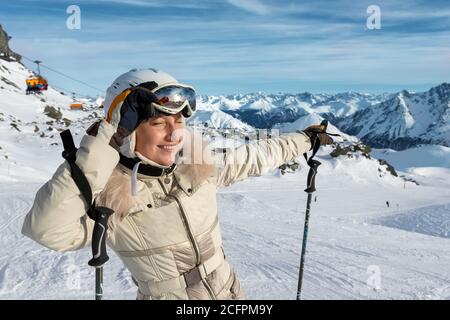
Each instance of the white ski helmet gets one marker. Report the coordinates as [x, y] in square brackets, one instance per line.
[133, 78]
[167, 86]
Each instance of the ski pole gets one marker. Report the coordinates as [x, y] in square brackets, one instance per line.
[310, 188]
[100, 257]
[99, 214]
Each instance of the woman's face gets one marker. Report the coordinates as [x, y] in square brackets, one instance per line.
[159, 139]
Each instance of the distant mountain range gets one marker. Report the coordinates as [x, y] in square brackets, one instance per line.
[396, 121]
[404, 120]
[263, 111]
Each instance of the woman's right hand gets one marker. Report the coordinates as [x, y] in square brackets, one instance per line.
[134, 109]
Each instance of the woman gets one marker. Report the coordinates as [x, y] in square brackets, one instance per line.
[165, 224]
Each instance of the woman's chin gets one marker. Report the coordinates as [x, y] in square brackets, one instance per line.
[167, 161]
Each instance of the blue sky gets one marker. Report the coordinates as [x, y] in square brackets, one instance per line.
[239, 46]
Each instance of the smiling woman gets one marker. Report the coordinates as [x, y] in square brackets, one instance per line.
[165, 226]
[160, 138]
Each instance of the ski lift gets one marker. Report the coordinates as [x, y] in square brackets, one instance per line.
[75, 105]
[38, 83]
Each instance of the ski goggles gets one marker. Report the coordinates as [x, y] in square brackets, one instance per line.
[174, 98]
[171, 98]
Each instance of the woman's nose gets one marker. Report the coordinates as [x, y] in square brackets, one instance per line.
[173, 133]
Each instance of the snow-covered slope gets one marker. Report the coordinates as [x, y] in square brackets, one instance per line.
[30, 124]
[427, 164]
[352, 254]
[422, 156]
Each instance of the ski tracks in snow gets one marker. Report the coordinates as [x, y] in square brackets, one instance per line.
[347, 257]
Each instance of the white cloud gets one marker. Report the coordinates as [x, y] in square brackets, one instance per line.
[253, 6]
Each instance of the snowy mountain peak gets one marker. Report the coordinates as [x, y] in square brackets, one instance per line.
[442, 91]
[406, 119]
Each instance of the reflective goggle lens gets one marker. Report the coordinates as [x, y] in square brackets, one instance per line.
[176, 97]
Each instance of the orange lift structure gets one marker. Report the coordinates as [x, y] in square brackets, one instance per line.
[76, 105]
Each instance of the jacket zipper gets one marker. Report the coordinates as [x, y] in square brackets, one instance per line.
[190, 235]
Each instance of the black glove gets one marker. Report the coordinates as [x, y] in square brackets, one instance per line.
[316, 134]
[137, 108]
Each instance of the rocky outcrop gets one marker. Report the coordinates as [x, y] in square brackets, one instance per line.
[5, 51]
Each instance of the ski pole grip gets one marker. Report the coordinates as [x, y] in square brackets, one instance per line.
[99, 237]
[311, 180]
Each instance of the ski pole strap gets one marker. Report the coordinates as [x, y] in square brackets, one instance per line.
[70, 150]
[315, 147]
[78, 176]
[315, 141]
[314, 164]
